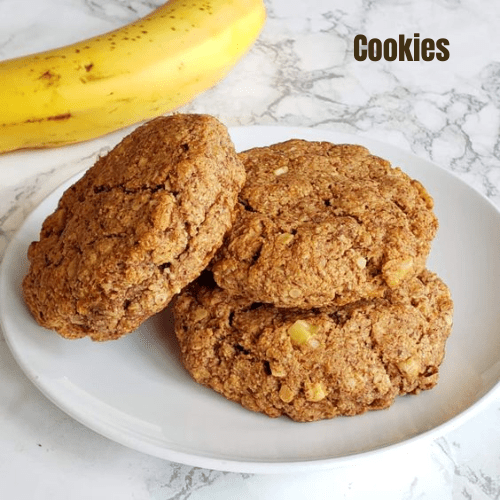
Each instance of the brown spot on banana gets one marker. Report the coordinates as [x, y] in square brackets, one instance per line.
[93, 78]
[63, 116]
[49, 77]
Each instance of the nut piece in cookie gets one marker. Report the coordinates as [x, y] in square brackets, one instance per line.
[140, 225]
[315, 364]
[324, 224]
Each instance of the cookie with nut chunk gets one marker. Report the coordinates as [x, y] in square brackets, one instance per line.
[322, 224]
[140, 225]
[319, 363]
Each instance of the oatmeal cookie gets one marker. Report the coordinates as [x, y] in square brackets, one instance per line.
[141, 224]
[320, 363]
[322, 224]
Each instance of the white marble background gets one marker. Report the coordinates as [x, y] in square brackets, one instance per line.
[300, 72]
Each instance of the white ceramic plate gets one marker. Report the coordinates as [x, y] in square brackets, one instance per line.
[136, 392]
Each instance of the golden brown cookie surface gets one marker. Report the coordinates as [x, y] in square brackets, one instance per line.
[142, 223]
[316, 364]
[321, 223]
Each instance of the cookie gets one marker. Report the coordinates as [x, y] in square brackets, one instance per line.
[141, 224]
[320, 363]
[322, 224]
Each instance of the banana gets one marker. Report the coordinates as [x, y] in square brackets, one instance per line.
[147, 68]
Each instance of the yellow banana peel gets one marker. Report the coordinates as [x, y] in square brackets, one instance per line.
[147, 68]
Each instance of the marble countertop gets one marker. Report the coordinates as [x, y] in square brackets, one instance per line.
[301, 72]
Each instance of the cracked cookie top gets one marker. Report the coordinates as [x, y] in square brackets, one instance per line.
[141, 224]
[320, 224]
[319, 363]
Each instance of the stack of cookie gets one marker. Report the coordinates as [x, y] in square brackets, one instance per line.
[300, 291]
[319, 302]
